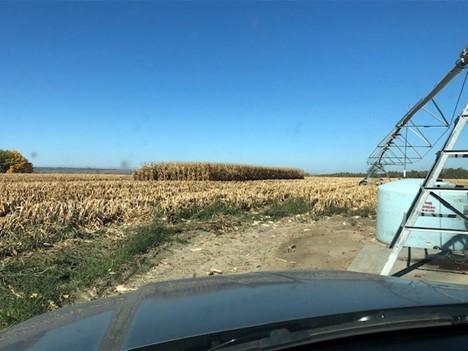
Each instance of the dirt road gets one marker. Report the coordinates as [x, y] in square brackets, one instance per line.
[328, 243]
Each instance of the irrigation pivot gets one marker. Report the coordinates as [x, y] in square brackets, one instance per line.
[406, 142]
[436, 191]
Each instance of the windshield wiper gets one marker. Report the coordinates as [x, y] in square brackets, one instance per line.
[281, 338]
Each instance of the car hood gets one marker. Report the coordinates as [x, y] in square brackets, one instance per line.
[170, 310]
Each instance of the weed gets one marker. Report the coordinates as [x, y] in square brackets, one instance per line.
[288, 207]
[49, 279]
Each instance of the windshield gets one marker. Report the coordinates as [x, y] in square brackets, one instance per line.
[282, 336]
[143, 142]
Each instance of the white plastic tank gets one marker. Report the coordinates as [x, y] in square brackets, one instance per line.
[393, 202]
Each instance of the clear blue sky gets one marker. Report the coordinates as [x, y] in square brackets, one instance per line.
[304, 84]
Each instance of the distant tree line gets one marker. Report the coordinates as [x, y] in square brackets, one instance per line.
[449, 173]
[11, 161]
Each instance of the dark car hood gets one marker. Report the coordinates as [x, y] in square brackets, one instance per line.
[170, 310]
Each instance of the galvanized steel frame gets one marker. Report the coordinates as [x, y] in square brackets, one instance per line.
[427, 189]
[389, 152]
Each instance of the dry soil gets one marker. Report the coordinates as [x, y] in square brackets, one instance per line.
[291, 243]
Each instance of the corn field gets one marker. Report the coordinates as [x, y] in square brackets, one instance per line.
[213, 171]
[37, 207]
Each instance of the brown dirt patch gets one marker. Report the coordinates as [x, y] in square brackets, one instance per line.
[328, 243]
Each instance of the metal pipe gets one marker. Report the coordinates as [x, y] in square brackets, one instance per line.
[461, 64]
